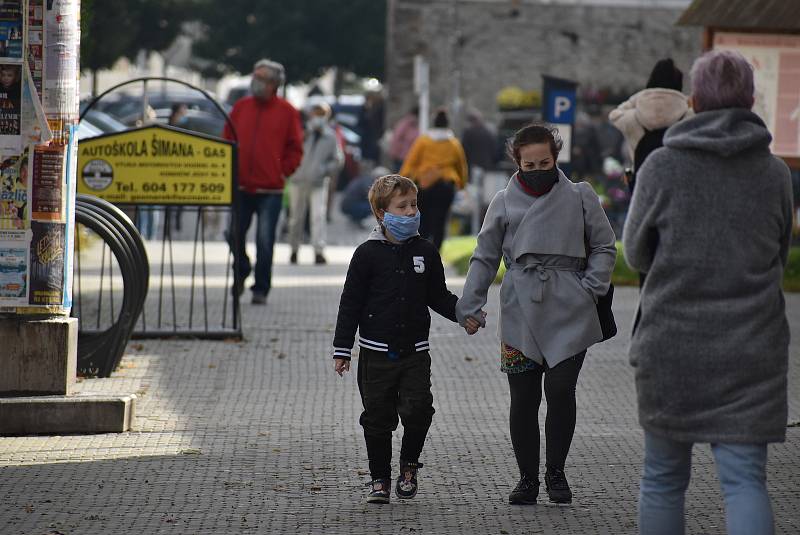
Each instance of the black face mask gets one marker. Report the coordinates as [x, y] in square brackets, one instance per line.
[539, 180]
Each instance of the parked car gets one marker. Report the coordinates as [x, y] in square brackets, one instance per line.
[103, 121]
[87, 130]
[195, 120]
[128, 108]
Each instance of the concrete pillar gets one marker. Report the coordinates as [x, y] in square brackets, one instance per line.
[39, 357]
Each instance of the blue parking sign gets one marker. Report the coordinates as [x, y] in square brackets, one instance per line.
[559, 100]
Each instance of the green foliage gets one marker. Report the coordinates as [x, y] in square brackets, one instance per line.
[457, 252]
[305, 35]
[111, 29]
[102, 39]
[791, 277]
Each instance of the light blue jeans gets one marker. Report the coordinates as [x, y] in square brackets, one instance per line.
[742, 474]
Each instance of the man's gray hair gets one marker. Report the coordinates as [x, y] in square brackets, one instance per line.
[276, 71]
[722, 79]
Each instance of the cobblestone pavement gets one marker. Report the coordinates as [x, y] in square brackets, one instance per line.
[261, 436]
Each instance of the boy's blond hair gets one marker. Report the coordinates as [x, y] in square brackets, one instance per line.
[384, 188]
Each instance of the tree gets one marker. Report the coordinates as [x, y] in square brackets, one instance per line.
[102, 42]
[112, 29]
[305, 35]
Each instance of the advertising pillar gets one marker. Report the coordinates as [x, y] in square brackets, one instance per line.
[39, 70]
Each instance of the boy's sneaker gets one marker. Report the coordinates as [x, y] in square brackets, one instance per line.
[379, 491]
[557, 487]
[525, 493]
[406, 487]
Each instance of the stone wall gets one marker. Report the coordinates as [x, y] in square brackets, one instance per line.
[478, 47]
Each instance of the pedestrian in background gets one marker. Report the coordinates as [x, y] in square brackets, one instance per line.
[404, 134]
[710, 223]
[270, 140]
[436, 162]
[355, 199]
[645, 116]
[370, 126]
[559, 250]
[309, 186]
[480, 144]
[392, 280]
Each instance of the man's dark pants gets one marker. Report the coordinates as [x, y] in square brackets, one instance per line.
[391, 388]
[267, 208]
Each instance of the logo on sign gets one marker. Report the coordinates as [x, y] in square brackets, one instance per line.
[98, 174]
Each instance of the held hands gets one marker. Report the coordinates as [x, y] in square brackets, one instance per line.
[341, 366]
[472, 324]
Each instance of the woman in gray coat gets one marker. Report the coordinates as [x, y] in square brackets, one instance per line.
[710, 224]
[559, 251]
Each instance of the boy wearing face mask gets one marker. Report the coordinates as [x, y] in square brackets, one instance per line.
[309, 185]
[392, 280]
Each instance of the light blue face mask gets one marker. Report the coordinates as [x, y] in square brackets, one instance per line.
[401, 227]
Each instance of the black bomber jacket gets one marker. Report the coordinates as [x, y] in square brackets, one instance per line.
[386, 295]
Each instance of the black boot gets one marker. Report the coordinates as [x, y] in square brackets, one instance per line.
[526, 491]
[557, 487]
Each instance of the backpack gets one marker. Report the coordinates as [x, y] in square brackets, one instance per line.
[652, 140]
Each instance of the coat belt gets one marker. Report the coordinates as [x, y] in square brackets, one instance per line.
[542, 274]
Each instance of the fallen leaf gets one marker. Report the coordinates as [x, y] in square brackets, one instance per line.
[191, 451]
[212, 366]
[281, 355]
[468, 359]
[315, 488]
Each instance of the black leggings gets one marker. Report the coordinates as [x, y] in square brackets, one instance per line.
[434, 206]
[526, 395]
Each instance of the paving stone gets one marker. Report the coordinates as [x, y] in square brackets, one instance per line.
[261, 436]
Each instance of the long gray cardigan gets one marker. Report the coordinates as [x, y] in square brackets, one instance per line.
[710, 224]
[547, 300]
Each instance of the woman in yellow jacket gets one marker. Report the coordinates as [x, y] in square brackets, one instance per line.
[436, 162]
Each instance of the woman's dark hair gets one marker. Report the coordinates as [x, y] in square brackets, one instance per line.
[440, 120]
[534, 133]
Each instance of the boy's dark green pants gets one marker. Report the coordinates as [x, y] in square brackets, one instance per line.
[392, 387]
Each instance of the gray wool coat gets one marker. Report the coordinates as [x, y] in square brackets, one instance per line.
[549, 293]
[710, 223]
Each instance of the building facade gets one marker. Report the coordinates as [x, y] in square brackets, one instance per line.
[476, 48]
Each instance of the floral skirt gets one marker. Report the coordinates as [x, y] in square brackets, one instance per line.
[513, 361]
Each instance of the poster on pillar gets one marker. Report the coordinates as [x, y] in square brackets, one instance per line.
[61, 52]
[558, 108]
[14, 192]
[14, 268]
[10, 104]
[36, 43]
[11, 29]
[47, 264]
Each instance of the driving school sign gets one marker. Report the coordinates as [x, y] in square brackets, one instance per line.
[157, 165]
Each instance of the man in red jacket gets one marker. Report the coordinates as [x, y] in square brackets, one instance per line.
[270, 139]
